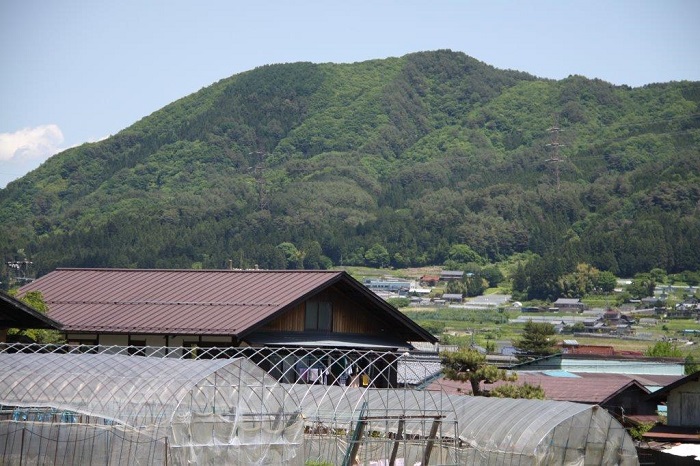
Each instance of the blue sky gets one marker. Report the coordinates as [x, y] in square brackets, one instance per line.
[75, 71]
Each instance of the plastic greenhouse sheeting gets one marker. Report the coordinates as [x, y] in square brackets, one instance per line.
[112, 409]
[498, 431]
[116, 409]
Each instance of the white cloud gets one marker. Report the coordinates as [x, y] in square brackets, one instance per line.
[40, 142]
[24, 150]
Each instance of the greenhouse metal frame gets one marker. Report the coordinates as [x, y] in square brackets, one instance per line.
[103, 405]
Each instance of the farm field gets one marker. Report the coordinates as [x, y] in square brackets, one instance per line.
[492, 327]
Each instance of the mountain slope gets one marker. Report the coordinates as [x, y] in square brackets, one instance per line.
[410, 155]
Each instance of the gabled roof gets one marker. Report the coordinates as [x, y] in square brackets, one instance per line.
[196, 302]
[663, 393]
[16, 314]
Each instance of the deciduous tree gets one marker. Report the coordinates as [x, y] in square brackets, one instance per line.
[35, 300]
[663, 349]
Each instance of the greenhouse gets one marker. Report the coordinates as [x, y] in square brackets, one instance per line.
[416, 426]
[116, 409]
[111, 409]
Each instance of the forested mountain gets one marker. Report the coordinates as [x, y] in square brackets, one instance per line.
[389, 162]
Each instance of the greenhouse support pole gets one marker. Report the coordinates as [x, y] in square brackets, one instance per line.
[166, 451]
[356, 436]
[21, 447]
[431, 441]
[55, 452]
[397, 439]
[355, 444]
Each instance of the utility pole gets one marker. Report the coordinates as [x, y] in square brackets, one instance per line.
[259, 172]
[21, 270]
[555, 145]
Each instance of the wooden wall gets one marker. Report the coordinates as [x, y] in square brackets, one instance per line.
[348, 316]
[684, 405]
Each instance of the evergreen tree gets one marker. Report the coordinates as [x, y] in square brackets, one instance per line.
[537, 339]
[468, 365]
[526, 390]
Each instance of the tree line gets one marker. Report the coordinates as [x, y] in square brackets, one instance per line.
[390, 163]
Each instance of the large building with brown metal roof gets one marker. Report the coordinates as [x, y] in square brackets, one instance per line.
[222, 307]
[219, 309]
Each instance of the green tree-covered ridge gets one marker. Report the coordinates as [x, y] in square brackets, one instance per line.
[390, 161]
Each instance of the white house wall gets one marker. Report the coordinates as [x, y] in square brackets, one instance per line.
[106, 339]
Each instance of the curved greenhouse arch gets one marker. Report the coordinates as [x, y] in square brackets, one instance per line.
[121, 409]
[471, 430]
[134, 410]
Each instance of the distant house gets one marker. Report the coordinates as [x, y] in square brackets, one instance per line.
[16, 314]
[569, 304]
[616, 322]
[392, 286]
[621, 395]
[224, 308]
[453, 297]
[451, 275]
[430, 280]
[612, 322]
[687, 309]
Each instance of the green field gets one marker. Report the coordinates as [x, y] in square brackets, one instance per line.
[464, 326]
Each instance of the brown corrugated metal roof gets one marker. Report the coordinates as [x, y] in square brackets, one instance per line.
[668, 433]
[584, 388]
[205, 302]
[662, 394]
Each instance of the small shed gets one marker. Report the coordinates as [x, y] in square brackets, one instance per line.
[683, 401]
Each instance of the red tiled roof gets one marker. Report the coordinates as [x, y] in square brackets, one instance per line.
[212, 302]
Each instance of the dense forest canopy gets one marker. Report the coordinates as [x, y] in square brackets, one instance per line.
[387, 162]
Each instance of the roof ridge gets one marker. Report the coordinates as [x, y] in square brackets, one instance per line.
[167, 303]
[100, 269]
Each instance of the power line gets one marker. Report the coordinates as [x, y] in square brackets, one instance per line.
[555, 145]
[259, 172]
